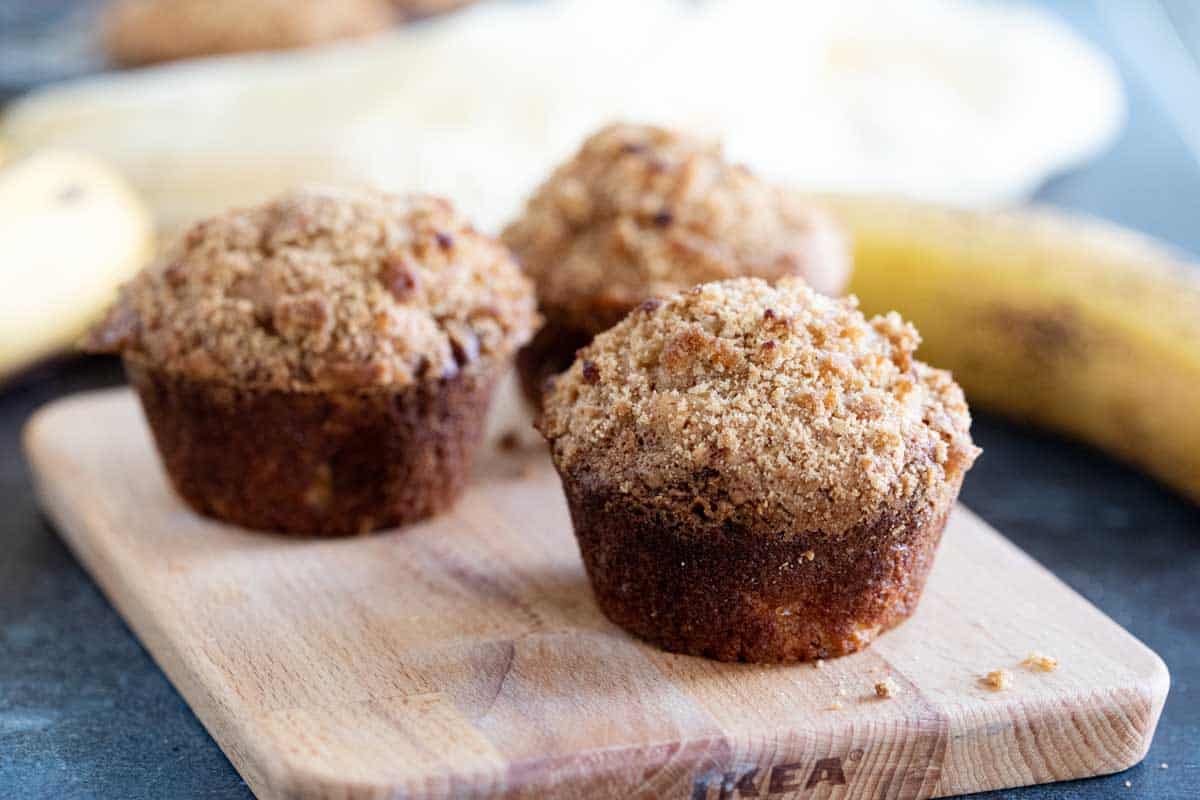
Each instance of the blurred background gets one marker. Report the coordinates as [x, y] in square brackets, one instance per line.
[122, 122]
[965, 103]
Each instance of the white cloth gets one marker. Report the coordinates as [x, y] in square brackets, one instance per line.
[950, 100]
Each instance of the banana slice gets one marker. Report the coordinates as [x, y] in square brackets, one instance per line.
[1071, 324]
[71, 230]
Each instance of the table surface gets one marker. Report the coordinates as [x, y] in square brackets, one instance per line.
[84, 712]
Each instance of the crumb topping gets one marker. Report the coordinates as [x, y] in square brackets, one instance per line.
[325, 289]
[998, 680]
[747, 402]
[643, 211]
[887, 688]
[1041, 662]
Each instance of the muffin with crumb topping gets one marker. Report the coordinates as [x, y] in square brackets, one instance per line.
[321, 364]
[757, 473]
[641, 212]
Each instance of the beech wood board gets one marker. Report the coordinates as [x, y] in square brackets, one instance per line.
[465, 657]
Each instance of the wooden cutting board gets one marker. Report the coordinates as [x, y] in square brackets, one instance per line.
[465, 657]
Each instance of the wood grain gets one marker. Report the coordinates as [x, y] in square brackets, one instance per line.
[466, 658]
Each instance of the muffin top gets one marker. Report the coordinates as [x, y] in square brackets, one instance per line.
[325, 289]
[776, 406]
[643, 211]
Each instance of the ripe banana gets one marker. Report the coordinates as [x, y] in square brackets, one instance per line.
[71, 230]
[1072, 324]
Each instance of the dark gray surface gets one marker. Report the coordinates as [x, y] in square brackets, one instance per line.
[84, 712]
[47, 40]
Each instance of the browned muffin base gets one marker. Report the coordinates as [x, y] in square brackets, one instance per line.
[733, 594]
[317, 464]
[549, 353]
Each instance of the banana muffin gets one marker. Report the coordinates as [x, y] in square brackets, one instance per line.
[757, 473]
[321, 364]
[149, 31]
[641, 212]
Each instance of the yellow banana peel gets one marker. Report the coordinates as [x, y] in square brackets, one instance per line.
[1068, 323]
[71, 231]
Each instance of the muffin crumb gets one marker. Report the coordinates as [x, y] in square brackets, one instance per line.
[887, 688]
[998, 680]
[1038, 661]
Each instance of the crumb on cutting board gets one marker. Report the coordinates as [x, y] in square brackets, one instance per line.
[998, 680]
[887, 688]
[1040, 661]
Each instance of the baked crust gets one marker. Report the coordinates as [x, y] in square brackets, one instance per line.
[719, 590]
[315, 464]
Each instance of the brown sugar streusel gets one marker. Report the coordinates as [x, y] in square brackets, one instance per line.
[772, 403]
[325, 289]
[642, 211]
